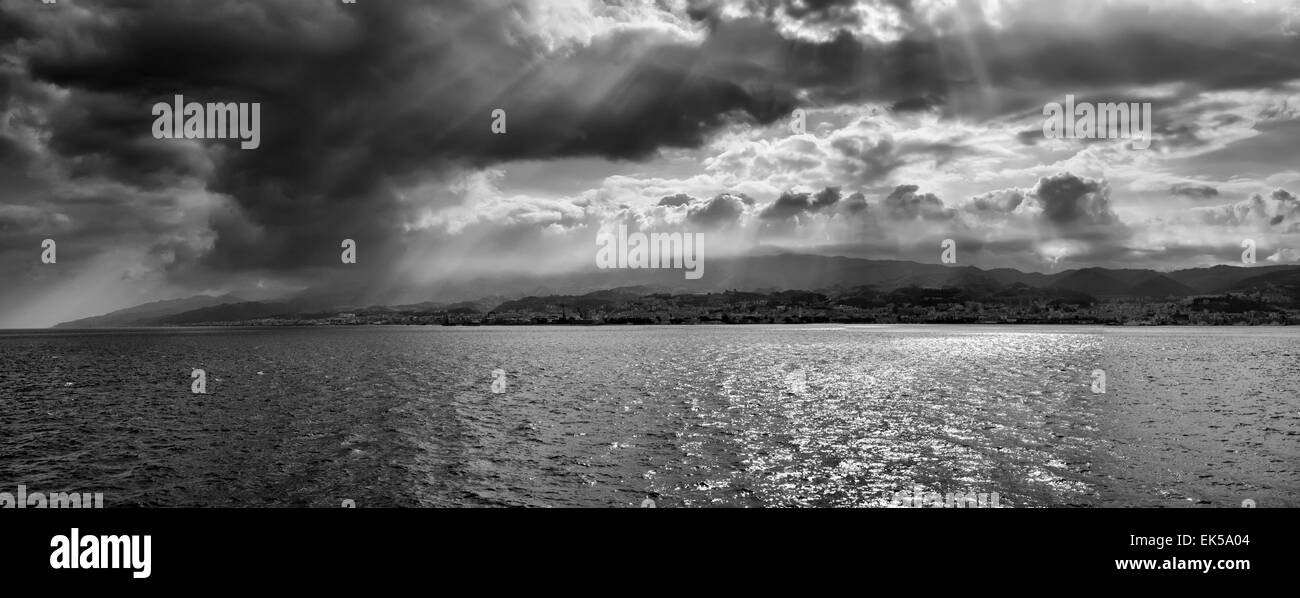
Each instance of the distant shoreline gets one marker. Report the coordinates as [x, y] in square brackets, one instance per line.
[625, 324]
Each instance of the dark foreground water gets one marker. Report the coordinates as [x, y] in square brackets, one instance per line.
[689, 416]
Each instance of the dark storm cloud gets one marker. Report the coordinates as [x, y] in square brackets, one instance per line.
[904, 203]
[1040, 49]
[356, 100]
[1193, 190]
[867, 162]
[917, 104]
[1279, 211]
[996, 203]
[836, 14]
[843, 69]
[360, 97]
[1075, 204]
[1186, 44]
[719, 212]
[839, 11]
[789, 204]
[1030, 137]
[855, 203]
[1179, 136]
[361, 102]
[680, 199]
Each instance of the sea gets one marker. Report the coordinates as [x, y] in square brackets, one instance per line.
[674, 416]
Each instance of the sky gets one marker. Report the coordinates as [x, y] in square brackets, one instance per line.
[922, 121]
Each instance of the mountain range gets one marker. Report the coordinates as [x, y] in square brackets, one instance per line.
[835, 276]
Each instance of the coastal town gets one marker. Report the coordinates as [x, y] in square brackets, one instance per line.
[904, 306]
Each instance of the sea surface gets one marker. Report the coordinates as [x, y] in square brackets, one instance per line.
[688, 416]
